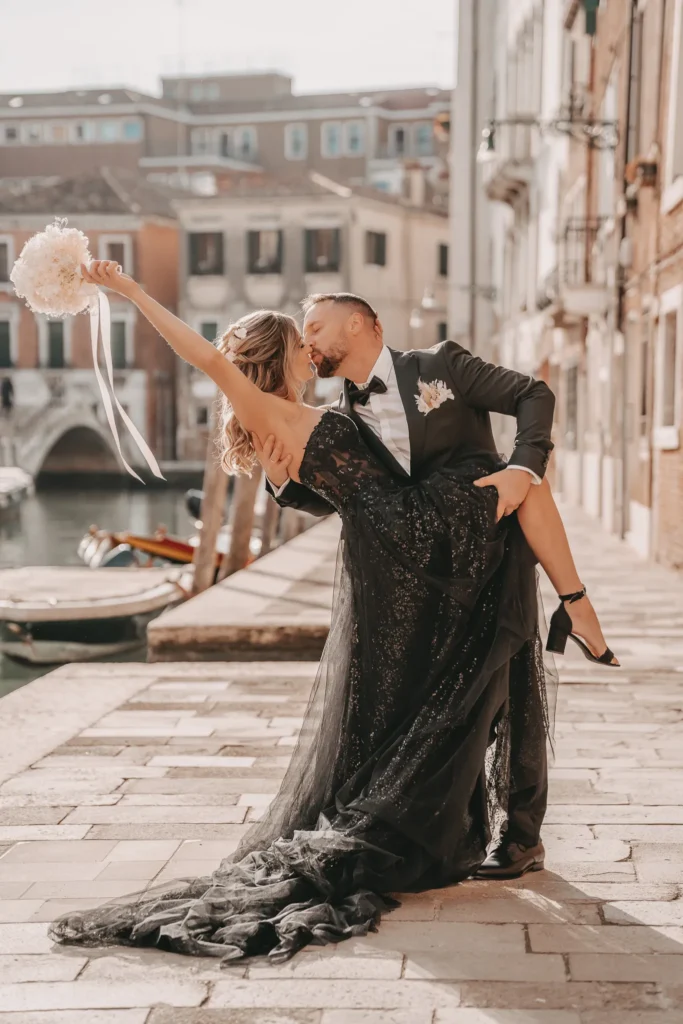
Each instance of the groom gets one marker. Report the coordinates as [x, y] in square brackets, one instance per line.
[380, 391]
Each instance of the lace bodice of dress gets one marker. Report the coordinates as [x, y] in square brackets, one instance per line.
[338, 464]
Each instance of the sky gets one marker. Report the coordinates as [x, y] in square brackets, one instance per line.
[56, 44]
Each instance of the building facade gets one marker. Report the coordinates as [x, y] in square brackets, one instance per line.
[588, 174]
[269, 244]
[57, 422]
[204, 128]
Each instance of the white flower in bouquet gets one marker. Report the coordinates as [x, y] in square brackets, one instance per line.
[48, 272]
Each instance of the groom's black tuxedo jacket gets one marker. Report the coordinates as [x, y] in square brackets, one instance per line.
[459, 425]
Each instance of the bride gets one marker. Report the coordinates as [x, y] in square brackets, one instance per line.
[402, 768]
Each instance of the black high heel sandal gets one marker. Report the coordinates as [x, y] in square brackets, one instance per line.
[561, 629]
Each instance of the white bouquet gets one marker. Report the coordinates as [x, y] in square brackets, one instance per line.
[48, 271]
[48, 276]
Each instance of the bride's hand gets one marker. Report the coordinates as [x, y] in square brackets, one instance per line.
[269, 454]
[108, 274]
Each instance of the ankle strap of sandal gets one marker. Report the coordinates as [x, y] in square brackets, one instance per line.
[570, 598]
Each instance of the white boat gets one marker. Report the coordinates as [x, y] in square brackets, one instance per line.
[56, 614]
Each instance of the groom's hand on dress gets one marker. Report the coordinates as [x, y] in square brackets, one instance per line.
[512, 487]
[270, 455]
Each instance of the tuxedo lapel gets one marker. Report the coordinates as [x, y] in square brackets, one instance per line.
[373, 442]
[407, 375]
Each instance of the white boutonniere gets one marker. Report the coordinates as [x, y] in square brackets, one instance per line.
[431, 395]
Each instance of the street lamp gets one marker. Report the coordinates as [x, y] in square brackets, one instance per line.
[429, 299]
[592, 132]
[416, 319]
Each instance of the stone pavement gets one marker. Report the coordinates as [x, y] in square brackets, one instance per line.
[120, 775]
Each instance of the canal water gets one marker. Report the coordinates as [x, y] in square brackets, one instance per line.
[46, 530]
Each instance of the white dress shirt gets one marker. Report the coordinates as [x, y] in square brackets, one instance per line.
[386, 416]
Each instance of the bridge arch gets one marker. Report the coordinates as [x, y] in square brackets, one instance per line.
[69, 441]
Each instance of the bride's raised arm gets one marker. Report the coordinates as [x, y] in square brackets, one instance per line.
[259, 413]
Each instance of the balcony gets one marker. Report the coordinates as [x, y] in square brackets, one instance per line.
[507, 173]
[584, 262]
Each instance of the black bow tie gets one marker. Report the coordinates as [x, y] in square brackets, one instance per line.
[360, 396]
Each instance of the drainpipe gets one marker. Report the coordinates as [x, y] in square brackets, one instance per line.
[474, 140]
[621, 288]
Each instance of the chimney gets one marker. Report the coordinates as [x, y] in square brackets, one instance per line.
[417, 186]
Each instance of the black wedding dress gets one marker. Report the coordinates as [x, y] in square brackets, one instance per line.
[402, 765]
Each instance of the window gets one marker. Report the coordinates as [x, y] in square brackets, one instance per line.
[397, 140]
[376, 248]
[209, 330]
[118, 248]
[4, 262]
[203, 141]
[667, 370]
[244, 143]
[571, 408]
[57, 133]
[5, 345]
[11, 133]
[323, 250]
[225, 144]
[674, 135]
[423, 135]
[667, 411]
[296, 141]
[202, 415]
[442, 331]
[119, 344]
[264, 254]
[109, 131]
[116, 251]
[132, 131]
[645, 389]
[55, 358]
[633, 137]
[354, 138]
[206, 252]
[84, 131]
[443, 261]
[197, 91]
[330, 138]
[33, 133]
[213, 91]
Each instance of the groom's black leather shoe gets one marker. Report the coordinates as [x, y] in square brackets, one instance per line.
[510, 860]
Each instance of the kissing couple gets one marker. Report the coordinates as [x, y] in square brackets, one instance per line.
[421, 760]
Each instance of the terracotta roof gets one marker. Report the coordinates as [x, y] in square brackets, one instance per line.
[105, 191]
[102, 98]
[265, 186]
[390, 99]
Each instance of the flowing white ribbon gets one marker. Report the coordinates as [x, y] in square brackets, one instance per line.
[100, 323]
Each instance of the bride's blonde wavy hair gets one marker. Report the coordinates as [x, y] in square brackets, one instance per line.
[263, 345]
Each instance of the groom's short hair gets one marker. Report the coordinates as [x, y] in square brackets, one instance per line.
[340, 299]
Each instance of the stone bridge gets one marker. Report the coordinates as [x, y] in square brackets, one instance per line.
[57, 438]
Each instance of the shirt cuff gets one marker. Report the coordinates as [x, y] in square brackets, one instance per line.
[535, 478]
[278, 491]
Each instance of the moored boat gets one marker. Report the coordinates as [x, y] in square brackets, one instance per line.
[56, 614]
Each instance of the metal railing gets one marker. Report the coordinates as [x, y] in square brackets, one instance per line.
[582, 251]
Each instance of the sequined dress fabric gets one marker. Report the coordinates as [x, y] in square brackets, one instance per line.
[401, 771]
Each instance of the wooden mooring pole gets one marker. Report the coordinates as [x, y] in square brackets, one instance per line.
[213, 504]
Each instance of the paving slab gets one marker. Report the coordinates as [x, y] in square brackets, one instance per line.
[148, 772]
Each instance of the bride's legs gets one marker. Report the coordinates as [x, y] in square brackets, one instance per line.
[544, 530]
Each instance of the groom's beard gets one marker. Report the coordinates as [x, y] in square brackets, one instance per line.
[327, 363]
[328, 366]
